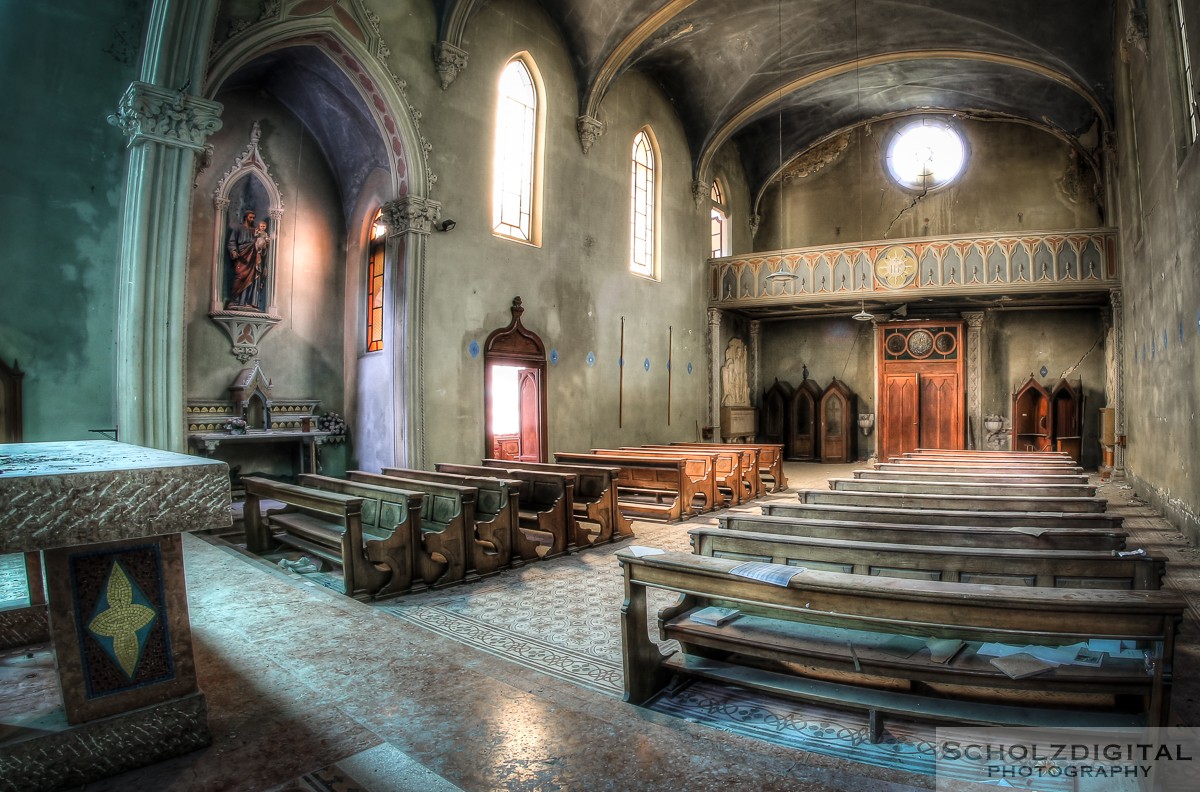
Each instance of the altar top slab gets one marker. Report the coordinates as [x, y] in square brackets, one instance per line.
[72, 493]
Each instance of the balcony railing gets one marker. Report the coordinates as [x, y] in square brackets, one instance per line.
[1066, 261]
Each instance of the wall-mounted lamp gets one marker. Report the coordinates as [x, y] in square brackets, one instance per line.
[446, 225]
[866, 422]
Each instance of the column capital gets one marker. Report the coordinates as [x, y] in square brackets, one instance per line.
[151, 114]
[449, 61]
[1116, 299]
[974, 319]
[589, 129]
[714, 317]
[411, 214]
[755, 328]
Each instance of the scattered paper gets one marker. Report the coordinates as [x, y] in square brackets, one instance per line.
[640, 551]
[901, 646]
[1026, 529]
[714, 616]
[1020, 665]
[775, 574]
[942, 650]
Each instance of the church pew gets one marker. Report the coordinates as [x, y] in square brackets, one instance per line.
[995, 502]
[926, 466]
[926, 516]
[545, 506]
[1022, 490]
[495, 517]
[698, 468]
[748, 463]
[999, 456]
[597, 518]
[650, 488]
[1087, 569]
[725, 467]
[328, 525]
[447, 519]
[828, 638]
[770, 460]
[999, 535]
[1002, 479]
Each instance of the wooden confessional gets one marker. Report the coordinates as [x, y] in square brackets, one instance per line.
[922, 387]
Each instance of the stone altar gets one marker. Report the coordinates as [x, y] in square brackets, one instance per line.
[106, 518]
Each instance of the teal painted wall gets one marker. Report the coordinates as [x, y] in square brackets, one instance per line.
[63, 68]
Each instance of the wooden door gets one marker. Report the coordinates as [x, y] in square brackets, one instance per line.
[530, 400]
[922, 399]
[900, 415]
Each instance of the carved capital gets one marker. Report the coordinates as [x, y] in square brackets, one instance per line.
[755, 329]
[449, 60]
[1137, 30]
[700, 192]
[589, 129]
[714, 318]
[148, 113]
[974, 319]
[1116, 299]
[411, 215]
[755, 221]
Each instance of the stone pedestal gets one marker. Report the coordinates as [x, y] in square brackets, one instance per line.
[739, 424]
[106, 518]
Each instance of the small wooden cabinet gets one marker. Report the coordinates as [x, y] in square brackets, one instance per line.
[803, 426]
[1031, 429]
[838, 410]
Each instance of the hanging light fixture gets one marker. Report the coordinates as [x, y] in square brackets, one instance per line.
[862, 315]
[783, 274]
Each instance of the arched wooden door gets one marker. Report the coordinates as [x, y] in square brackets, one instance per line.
[514, 384]
[922, 393]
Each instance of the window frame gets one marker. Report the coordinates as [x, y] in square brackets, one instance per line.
[719, 219]
[901, 129]
[1189, 122]
[532, 183]
[651, 213]
[376, 274]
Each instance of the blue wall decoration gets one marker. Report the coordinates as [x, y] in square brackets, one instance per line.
[689, 367]
[1045, 371]
[553, 356]
[621, 362]
[646, 364]
[474, 348]
[591, 359]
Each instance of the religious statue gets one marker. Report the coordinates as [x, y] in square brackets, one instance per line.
[247, 248]
[735, 389]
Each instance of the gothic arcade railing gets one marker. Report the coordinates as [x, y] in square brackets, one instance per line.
[1068, 261]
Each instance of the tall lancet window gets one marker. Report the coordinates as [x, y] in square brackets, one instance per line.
[1187, 85]
[516, 163]
[720, 221]
[643, 256]
[375, 255]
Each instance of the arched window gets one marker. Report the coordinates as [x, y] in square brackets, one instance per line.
[926, 154]
[516, 163]
[720, 221]
[643, 256]
[375, 254]
[1183, 67]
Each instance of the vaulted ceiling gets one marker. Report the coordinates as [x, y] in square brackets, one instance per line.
[772, 74]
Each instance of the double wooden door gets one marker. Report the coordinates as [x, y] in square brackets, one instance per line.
[921, 382]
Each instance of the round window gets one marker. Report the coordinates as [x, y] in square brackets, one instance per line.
[926, 154]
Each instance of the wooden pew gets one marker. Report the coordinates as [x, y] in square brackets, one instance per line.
[597, 518]
[825, 637]
[1054, 538]
[495, 517]
[1005, 566]
[748, 463]
[770, 460]
[698, 468]
[919, 487]
[894, 514]
[998, 456]
[724, 466]
[447, 519]
[916, 465]
[996, 502]
[545, 507]
[648, 487]
[328, 525]
[1002, 479]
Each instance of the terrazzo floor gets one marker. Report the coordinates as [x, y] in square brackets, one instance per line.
[309, 690]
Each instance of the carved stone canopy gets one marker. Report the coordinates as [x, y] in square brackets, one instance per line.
[250, 384]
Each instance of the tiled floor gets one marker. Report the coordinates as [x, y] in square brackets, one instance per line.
[308, 690]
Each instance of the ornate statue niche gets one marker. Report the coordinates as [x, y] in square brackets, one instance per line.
[739, 420]
[248, 213]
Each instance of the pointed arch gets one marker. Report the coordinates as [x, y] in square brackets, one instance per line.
[518, 154]
[645, 202]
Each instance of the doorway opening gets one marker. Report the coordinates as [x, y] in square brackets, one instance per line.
[515, 392]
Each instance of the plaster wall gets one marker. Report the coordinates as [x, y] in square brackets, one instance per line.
[303, 354]
[1068, 343]
[1158, 177]
[576, 287]
[841, 348]
[1017, 179]
[63, 174]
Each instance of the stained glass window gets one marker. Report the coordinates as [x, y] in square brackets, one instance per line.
[375, 284]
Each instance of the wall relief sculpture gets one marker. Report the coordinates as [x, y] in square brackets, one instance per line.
[735, 388]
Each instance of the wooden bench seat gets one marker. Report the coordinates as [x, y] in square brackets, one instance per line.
[495, 517]
[666, 478]
[926, 516]
[770, 461]
[996, 502]
[1088, 569]
[1053, 538]
[598, 519]
[698, 491]
[368, 534]
[725, 467]
[1001, 479]
[840, 630]
[545, 507]
[447, 519]
[738, 478]
[918, 487]
[971, 467]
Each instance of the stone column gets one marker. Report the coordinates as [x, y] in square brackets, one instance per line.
[756, 366]
[1117, 376]
[974, 320]
[714, 371]
[409, 220]
[167, 127]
